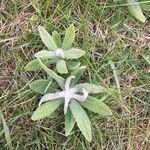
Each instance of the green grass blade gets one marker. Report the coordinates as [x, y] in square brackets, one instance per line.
[6, 131]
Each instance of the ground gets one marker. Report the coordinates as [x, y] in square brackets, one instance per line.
[106, 31]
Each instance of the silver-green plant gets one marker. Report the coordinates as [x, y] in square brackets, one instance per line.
[74, 96]
[58, 52]
[136, 8]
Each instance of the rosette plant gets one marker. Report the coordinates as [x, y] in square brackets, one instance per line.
[75, 97]
[57, 52]
[65, 90]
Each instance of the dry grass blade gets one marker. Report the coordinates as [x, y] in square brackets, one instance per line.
[118, 85]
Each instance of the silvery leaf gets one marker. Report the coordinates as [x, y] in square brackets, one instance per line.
[34, 65]
[47, 39]
[78, 73]
[45, 54]
[74, 53]
[136, 10]
[61, 66]
[46, 109]
[57, 38]
[82, 119]
[42, 86]
[69, 122]
[91, 88]
[73, 64]
[69, 37]
[53, 75]
[97, 106]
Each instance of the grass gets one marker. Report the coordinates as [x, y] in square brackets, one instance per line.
[106, 31]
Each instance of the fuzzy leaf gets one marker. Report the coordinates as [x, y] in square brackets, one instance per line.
[69, 122]
[74, 53]
[97, 106]
[78, 73]
[61, 66]
[82, 120]
[53, 75]
[45, 54]
[69, 37]
[135, 10]
[54, 114]
[34, 65]
[47, 39]
[46, 109]
[71, 65]
[146, 5]
[91, 88]
[57, 38]
[42, 86]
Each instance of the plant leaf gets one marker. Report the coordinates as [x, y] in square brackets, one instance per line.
[82, 120]
[97, 106]
[71, 65]
[46, 109]
[54, 114]
[53, 75]
[91, 88]
[34, 65]
[74, 53]
[78, 73]
[57, 38]
[42, 86]
[61, 66]
[6, 131]
[145, 5]
[69, 122]
[69, 37]
[45, 54]
[47, 39]
[135, 10]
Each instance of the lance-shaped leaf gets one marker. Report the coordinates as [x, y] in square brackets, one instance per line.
[53, 75]
[46, 109]
[73, 64]
[145, 5]
[69, 122]
[57, 38]
[34, 65]
[55, 114]
[91, 88]
[61, 66]
[47, 39]
[74, 53]
[78, 73]
[82, 120]
[97, 106]
[42, 86]
[135, 10]
[45, 54]
[69, 37]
